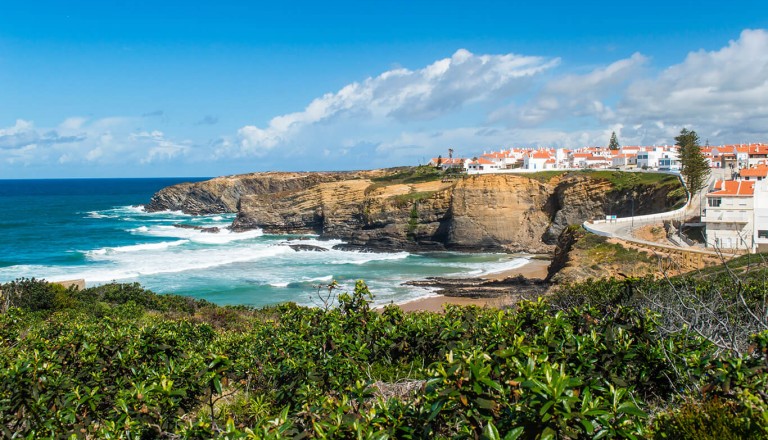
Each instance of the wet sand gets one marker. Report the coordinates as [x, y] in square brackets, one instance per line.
[534, 269]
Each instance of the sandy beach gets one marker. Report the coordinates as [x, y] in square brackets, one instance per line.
[534, 269]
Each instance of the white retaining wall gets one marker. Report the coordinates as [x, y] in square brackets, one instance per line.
[640, 219]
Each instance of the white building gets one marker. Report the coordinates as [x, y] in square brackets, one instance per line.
[648, 158]
[669, 161]
[483, 166]
[729, 216]
[759, 172]
[761, 216]
[538, 160]
[624, 160]
[446, 163]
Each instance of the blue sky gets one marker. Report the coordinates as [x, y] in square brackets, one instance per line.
[134, 89]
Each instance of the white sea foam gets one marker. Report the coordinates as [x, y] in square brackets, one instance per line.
[367, 257]
[324, 279]
[97, 214]
[222, 237]
[503, 266]
[136, 247]
[325, 244]
[128, 265]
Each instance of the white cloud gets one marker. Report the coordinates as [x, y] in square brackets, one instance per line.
[574, 95]
[74, 123]
[81, 140]
[403, 95]
[22, 133]
[722, 93]
[402, 115]
[160, 147]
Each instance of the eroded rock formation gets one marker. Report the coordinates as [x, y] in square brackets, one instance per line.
[495, 212]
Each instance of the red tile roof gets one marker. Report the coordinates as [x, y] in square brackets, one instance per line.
[758, 171]
[733, 188]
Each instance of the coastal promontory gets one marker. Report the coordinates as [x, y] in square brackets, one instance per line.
[417, 208]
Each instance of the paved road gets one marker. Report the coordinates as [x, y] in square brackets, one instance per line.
[623, 230]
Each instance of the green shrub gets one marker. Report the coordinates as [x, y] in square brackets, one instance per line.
[30, 294]
[588, 362]
[714, 419]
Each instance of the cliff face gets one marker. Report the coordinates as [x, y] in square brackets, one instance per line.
[222, 194]
[498, 212]
[580, 255]
[574, 200]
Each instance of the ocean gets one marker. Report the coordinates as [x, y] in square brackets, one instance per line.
[97, 230]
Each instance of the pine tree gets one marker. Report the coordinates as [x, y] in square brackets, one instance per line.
[693, 164]
[614, 143]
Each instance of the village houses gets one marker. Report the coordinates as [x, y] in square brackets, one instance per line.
[735, 212]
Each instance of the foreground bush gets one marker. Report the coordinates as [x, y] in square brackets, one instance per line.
[121, 362]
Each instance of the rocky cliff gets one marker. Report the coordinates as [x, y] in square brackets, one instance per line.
[222, 194]
[393, 210]
[580, 255]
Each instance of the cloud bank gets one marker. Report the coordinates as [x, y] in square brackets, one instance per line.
[468, 102]
[723, 94]
[82, 140]
[402, 95]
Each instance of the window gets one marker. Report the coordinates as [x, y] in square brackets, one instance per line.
[762, 234]
[714, 202]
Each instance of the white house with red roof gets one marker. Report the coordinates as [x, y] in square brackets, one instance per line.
[539, 160]
[446, 163]
[757, 154]
[481, 165]
[729, 216]
[504, 158]
[758, 172]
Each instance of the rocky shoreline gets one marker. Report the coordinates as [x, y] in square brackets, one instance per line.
[491, 290]
[517, 286]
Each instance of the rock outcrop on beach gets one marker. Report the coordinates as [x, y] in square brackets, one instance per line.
[388, 210]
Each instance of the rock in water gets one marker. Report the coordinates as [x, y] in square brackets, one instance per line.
[307, 247]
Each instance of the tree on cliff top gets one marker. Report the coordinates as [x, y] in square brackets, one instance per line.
[693, 165]
[614, 142]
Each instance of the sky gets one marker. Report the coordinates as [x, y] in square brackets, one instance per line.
[154, 89]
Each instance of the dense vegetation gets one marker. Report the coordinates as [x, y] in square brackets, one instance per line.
[591, 361]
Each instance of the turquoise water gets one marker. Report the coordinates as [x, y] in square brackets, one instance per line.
[95, 229]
